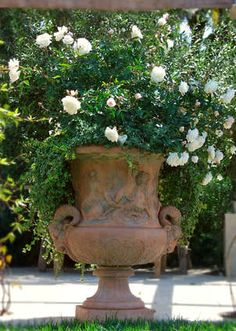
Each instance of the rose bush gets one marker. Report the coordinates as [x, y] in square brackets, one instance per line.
[144, 81]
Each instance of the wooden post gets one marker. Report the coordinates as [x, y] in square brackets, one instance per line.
[134, 5]
[42, 264]
[160, 265]
[185, 262]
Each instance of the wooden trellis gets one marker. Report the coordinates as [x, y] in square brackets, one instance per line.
[134, 5]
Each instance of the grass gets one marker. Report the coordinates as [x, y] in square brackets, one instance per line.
[112, 325]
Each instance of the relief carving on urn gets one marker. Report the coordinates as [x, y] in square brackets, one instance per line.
[117, 222]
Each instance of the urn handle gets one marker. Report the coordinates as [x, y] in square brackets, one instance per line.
[169, 217]
[64, 217]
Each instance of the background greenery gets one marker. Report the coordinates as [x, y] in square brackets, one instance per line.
[25, 143]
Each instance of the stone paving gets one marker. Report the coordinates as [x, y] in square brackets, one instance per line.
[39, 297]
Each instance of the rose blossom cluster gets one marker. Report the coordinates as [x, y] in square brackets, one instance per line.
[81, 46]
[175, 159]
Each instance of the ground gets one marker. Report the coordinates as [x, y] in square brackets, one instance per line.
[39, 297]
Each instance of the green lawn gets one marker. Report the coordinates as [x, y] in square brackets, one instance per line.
[128, 326]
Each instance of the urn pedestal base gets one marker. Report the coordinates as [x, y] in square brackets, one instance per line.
[113, 298]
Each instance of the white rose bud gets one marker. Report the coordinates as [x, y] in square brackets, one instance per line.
[220, 177]
[112, 134]
[166, 16]
[14, 75]
[138, 96]
[218, 157]
[43, 40]
[229, 122]
[68, 39]
[13, 64]
[170, 43]
[111, 102]
[181, 129]
[219, 133]
[183, 88]
[158, 74]
[194, 159]
[162, 21]
[232, 150]
[228, 96]
[136, 32]
[82, 46]
[216, 113]
[62, 30]
[111, 31]
[71, 104]
[211, 86]
[207, 179]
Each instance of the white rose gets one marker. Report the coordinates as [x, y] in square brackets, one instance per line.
[111, 102]
[228, 96]
[162, 21]
[183, 88]
[232, 150]
[192, 135]
[219, 133]
[111, 31]
[207, 179]
[138, 96]
[173, 159]
[181, 129]
[158, 74]
[184, 158]
[13, 64]
[112, 134]
[220, 177]
[68, 39]
[43, 40]
[170, 43]
[62, 30]
[211, 86]
[71, 104]
[194, 159]
[195, 140]
[82, 46]
[211, 153]
[218, 157]
[14, 75]
[136, 32]
[229, 122]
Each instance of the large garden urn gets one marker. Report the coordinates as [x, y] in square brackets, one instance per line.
[117, 222]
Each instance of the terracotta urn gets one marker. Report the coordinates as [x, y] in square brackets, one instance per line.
[117, 222]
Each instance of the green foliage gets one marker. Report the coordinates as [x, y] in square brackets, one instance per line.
[49, 181]
[208, 239]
